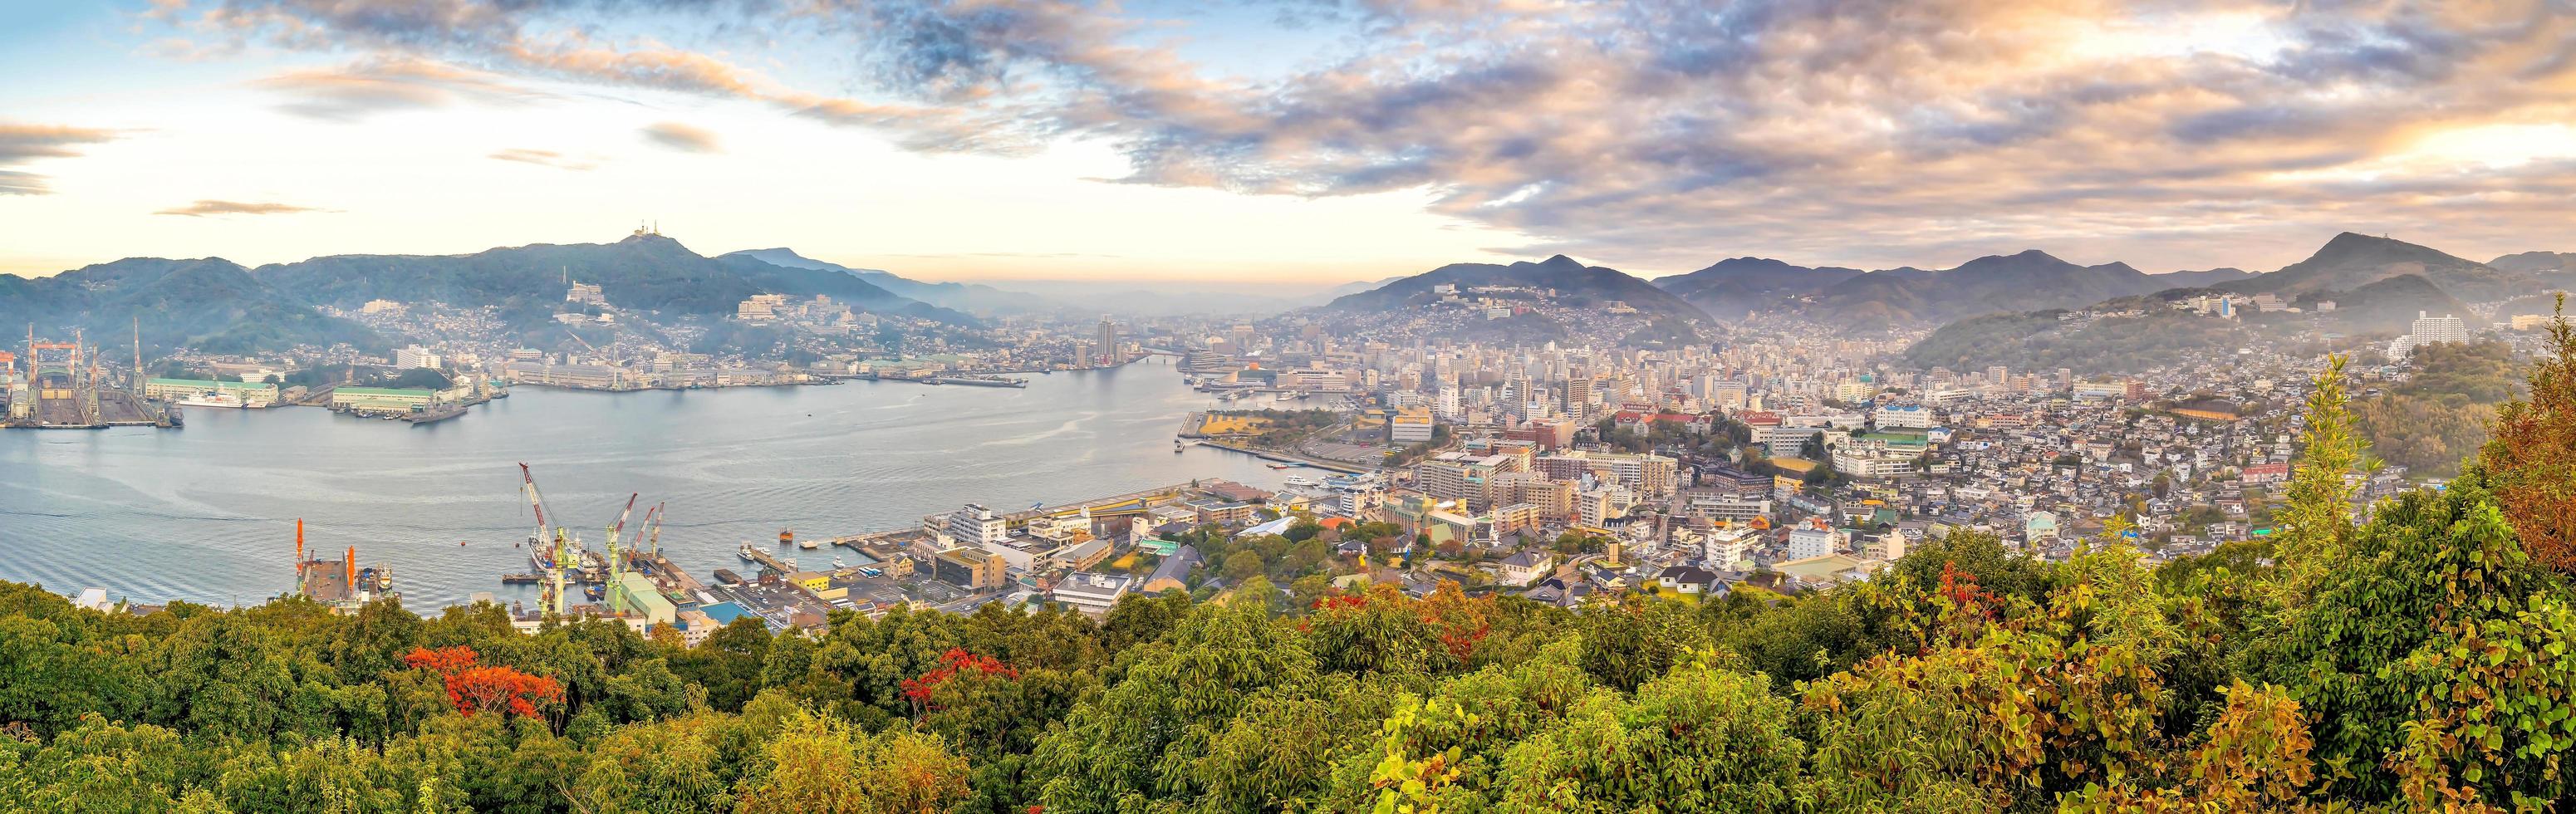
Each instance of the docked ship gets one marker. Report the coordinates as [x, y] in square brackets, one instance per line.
[1303, 481]
[211, 398]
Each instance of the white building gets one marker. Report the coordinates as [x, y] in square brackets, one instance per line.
[415, 356]
[2444, 328]
[1727, 546]
[1814, 540]
[1091, 593]
[1910, 416]
[977, 526]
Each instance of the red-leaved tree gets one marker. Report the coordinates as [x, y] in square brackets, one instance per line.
[472, 687]
[952, 664]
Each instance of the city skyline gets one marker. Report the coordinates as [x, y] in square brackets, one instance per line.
[1294, 144]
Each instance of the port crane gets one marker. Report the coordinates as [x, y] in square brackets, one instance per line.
[552, 548]
[616, 559]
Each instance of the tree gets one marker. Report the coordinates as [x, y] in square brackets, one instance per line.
[821, 764]
[1700, 739]
[2318, 517]
[1136, 737]
[2531, 461]
[1242, 565]
[472, 687]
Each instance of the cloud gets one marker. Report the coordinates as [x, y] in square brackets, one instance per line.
[23, 143]
[362, 89]
[543, 158]
[682, 137]
[204, 208]
[1647, 133]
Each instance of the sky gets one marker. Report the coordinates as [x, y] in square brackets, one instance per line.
[1287, 141]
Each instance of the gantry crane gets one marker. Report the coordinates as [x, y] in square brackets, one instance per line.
[556, 546]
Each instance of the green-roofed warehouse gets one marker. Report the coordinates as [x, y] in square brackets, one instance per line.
[381, 399]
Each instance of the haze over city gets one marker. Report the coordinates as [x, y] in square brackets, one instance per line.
[1287, 143]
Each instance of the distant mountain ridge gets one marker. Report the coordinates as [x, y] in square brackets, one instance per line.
[1987, 284]
[1734, 286]
[1571, 278]
[2377, 285]
[645, 271]
[218, 306]
[210, 304]
[2032, 279]
[2353, 260]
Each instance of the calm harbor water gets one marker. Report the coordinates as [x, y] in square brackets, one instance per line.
[208, 513]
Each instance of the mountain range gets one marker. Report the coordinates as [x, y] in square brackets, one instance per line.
[218, 306]
[646, 272]
[2378, 286]
[2031, 279]
[2346, 267]
[209, 303]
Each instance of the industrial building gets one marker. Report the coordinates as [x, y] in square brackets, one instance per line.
[381, 399]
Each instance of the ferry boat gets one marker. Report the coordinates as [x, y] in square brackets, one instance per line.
[211, 398]
[1301, 480]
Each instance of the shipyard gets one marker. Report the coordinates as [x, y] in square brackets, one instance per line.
[1083, 554]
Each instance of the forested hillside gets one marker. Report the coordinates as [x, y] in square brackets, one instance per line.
[2419, 661]
[2437, 418]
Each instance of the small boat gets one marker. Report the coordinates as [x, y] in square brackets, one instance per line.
[1301, 480]
[1179, 446]
[748, 554]
[837, 564]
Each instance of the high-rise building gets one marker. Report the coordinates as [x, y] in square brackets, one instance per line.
[1109, 354]
[2446, 328]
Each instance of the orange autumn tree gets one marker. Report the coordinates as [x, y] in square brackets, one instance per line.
[2531, 462]
[472, 687]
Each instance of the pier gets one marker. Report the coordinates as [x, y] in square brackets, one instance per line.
[771, 561]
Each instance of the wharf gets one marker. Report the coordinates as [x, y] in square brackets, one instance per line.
[771, 561]
[435, 416]
[1267, 455]
[1022, 517]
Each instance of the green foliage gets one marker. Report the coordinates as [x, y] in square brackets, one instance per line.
[2039, 340]
[2438, 418]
